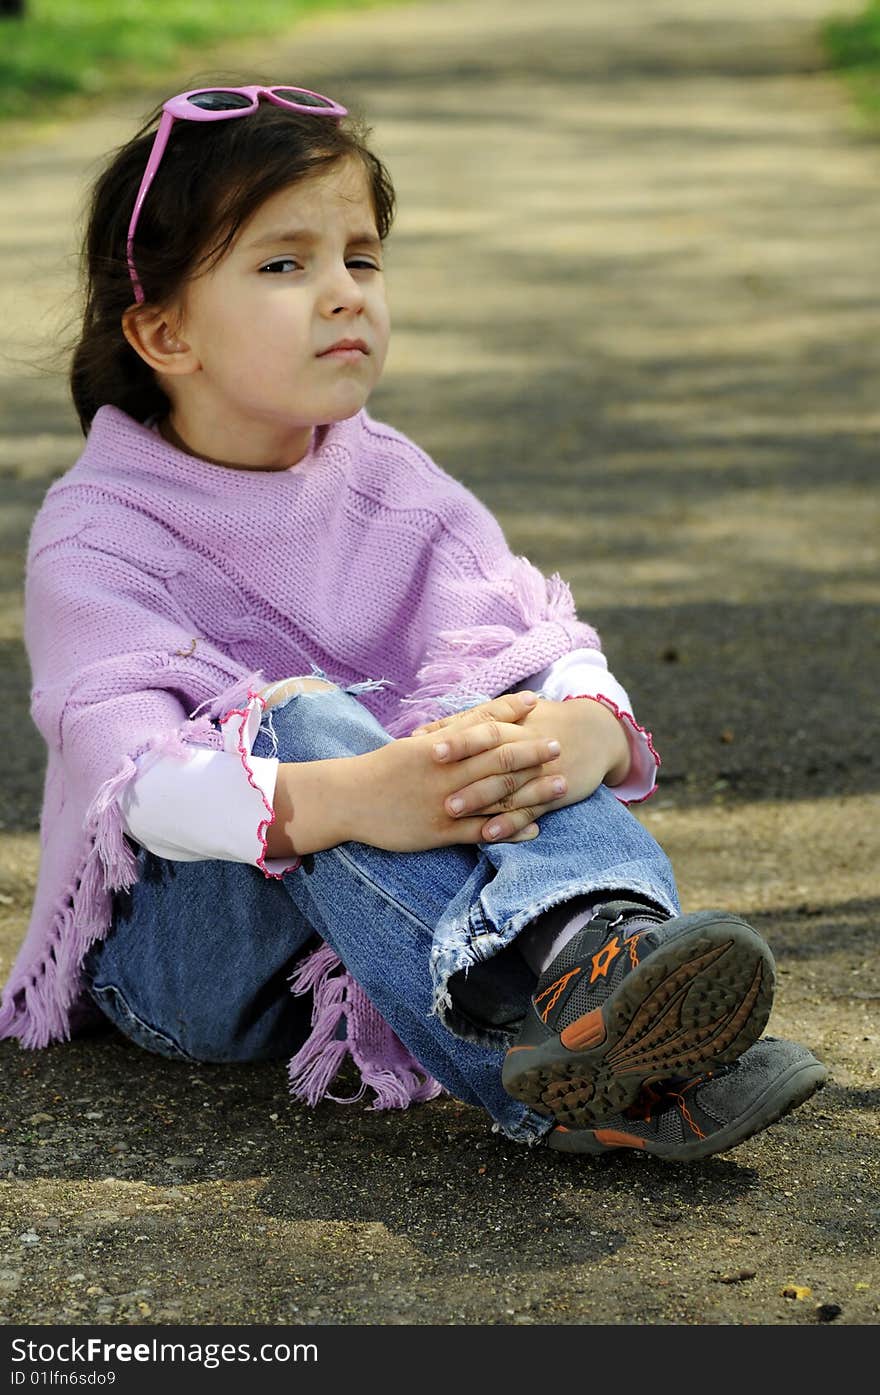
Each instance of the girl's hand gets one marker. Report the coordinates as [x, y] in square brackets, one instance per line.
[399, 798]
[593, 748]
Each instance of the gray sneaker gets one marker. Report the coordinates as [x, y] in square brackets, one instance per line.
[684, 1120]
[638, 996]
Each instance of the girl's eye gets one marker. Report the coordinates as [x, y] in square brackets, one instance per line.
[280, 264]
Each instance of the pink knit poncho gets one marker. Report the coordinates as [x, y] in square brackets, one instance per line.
[160, 586]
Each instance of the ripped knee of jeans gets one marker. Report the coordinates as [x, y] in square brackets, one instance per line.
[315, 688]
[286, 688]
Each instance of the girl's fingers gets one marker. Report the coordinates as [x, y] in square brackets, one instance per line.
[510, 707]
[505, 793]
[518, 827]
[472, 831]
[510, 747]
[507, 767]
[528, 833]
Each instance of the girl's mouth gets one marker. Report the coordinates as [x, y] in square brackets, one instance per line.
[344, 348]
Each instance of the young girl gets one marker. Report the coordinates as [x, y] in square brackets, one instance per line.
[311, 726]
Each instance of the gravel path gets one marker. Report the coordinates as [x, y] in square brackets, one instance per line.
[635, 294]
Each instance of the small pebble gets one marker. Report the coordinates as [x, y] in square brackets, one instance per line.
[827, 1312]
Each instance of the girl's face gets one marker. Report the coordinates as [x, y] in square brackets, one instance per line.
[303, 273]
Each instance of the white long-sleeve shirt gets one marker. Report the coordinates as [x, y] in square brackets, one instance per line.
[218, 803]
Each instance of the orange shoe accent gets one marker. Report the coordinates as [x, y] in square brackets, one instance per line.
[632, 942]
[587, 1031]
[613, 1138]
[554, 992]
[686, 1115]
[603, 959]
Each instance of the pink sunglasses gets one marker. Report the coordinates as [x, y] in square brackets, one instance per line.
[217, 104]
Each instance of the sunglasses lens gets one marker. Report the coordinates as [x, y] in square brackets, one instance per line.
[302, 99]
[220, 101]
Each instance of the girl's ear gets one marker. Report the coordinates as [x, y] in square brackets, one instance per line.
[152, 332]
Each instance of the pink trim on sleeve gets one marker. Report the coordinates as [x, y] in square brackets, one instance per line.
[244, 752]
[644, 737]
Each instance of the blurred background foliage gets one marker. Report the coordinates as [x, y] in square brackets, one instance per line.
[853, 46]
[54, 52]
[58, 50]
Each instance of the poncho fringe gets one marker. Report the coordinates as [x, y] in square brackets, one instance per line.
[36, 1008]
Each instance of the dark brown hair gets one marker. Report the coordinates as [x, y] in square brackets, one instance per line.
[212, 179]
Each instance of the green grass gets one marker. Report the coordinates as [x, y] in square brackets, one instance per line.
[68, 49]
[853, 46]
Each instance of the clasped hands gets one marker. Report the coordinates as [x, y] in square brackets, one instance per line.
[489, 773]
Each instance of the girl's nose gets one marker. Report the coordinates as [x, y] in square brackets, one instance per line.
[341, 292]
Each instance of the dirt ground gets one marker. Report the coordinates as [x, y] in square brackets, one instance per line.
[634, 285]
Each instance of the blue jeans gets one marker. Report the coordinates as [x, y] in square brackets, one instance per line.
[196, 963]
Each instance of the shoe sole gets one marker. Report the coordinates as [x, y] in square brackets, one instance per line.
[792, 1088]
[696, 1002]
